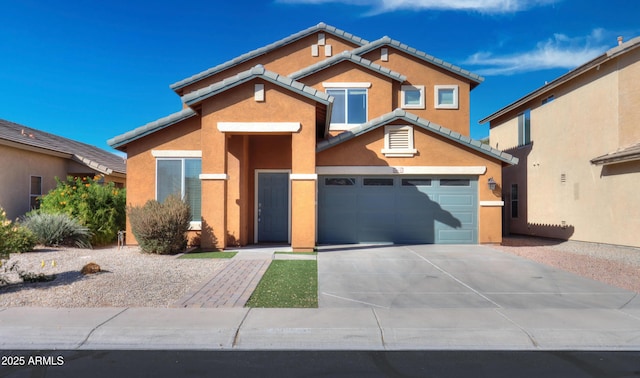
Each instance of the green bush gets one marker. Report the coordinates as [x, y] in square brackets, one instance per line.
[99, 207]
[14, 238]
[161, 227]
[54, 230]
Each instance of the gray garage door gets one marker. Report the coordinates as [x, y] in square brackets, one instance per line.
[397, 209]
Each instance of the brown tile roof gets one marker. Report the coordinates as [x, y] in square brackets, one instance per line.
[629, 153]
[93, 157]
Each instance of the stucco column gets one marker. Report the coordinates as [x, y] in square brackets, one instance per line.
[303, 189]
[214, 185]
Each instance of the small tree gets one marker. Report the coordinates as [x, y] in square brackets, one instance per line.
[161, 227]
[99, 207]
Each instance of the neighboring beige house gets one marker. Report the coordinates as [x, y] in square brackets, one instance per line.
[30, 161]
[319, 138]
[578, 141]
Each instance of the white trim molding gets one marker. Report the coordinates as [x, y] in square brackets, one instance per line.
[402, 170]
[195, 226]
[346, 85]
[436, 96]
[214, 176]
[259, 127]
[491, 203]
[303, 176]
[176, 153]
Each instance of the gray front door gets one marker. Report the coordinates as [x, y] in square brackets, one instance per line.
[273, 207]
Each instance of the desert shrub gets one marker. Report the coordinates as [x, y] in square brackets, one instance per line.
[14, 238]
[161, 227]
[55, 230]
[99, 207]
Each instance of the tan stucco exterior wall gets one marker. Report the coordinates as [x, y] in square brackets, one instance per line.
[629, 98]
[239, 105]
[16, 168]
[589, 117]
[433, 150]
[141, 164]
[420, 73]
[284, 60]
[18, 165]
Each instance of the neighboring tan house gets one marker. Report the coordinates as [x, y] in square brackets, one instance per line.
[30, 161]
[323, 137]
[578, 141]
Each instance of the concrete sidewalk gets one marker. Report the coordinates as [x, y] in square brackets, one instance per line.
[371, 298]
[24, 328]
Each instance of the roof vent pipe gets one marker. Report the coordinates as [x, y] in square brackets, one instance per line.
[620, 40]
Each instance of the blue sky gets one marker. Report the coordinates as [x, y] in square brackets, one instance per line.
[91, 70]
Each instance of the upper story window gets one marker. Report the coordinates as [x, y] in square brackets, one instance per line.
[350, 104]
[446, 96]
[412, 96]
[524, 128]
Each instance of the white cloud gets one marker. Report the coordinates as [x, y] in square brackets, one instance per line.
[561, 51]
[481, 6]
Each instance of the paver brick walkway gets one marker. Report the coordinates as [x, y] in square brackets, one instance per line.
[230, 287]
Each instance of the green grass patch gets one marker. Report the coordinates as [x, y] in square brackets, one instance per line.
[208, 255]
[287, 284]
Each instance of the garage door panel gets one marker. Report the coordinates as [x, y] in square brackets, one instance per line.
[456, 199]
[456, 236]
[413, 210]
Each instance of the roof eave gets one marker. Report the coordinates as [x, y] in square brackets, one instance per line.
[595, 62]
[120, 141]
[474, 79]
[266, 49]
[425, 124]
[195, 98]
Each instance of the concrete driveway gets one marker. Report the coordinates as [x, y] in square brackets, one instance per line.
[453, 276]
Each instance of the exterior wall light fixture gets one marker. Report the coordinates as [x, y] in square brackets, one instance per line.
[492, 183]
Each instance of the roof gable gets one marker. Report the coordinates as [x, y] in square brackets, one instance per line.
[350, 57]
[266, 49]
[91, 156]
[571, 75]
[386, 41]
[397, 114]
[200, 95]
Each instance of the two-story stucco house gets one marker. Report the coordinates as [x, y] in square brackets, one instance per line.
[578, 141]
[31, 160]
[323, 137]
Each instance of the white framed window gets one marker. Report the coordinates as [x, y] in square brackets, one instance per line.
[181, 176]
[446, 97]
[350, 104]
[398, 141]
[524, 128]
[35, 191]
[412, 96]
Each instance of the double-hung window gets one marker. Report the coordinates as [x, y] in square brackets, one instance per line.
[180, 176]
[350, 104]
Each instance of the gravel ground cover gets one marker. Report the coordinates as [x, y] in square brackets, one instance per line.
[129, 278]
[134, 279]
[614, 265]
